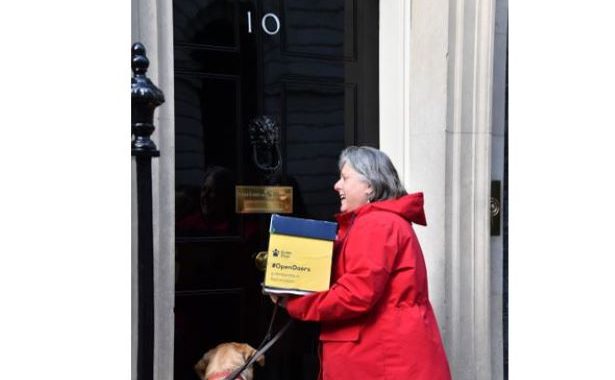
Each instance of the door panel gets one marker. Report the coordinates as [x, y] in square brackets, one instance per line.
[316, 79]
[210, 23]
[319, 29]
[314, 121]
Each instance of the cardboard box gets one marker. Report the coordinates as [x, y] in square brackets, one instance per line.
[299, 255]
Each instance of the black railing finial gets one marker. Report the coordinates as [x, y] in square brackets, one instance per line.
[145, 97]
[140, 63]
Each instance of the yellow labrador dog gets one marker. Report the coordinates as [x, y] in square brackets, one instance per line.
[222, 360]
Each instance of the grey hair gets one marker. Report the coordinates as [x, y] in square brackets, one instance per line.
[376, 168]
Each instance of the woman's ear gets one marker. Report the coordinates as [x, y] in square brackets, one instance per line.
[369, 193]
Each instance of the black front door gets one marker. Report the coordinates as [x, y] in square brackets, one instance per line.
[266, 93]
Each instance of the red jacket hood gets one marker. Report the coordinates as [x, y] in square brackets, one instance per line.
[409, 207]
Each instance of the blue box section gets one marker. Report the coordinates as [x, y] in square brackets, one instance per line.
[316, 229]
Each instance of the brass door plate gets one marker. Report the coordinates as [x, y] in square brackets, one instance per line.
[263, 199]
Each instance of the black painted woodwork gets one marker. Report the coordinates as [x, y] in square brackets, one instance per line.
[318, 79]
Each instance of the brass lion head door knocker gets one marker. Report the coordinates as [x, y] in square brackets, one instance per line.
[265, 140]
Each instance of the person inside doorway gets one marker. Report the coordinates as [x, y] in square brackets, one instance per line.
[376, 319]
[215, 214]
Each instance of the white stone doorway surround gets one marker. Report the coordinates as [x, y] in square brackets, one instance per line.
[436, 74]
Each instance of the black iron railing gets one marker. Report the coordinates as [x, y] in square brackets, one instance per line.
[145, 97]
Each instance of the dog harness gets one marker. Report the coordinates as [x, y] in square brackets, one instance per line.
[223, 374]
[267, 342]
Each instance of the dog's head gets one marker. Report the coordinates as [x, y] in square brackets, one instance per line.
[223, 359]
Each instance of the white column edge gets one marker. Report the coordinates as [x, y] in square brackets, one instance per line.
[394, 84]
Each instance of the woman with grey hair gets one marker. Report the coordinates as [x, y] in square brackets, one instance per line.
[376, 319]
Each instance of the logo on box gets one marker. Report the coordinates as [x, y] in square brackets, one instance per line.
[300, 254]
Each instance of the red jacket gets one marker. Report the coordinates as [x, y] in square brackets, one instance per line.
[376, 319]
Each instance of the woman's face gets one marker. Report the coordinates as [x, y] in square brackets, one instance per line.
[353, 189]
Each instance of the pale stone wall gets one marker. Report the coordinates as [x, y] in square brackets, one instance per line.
[436, 111]
[497, 173]
[413, 67]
